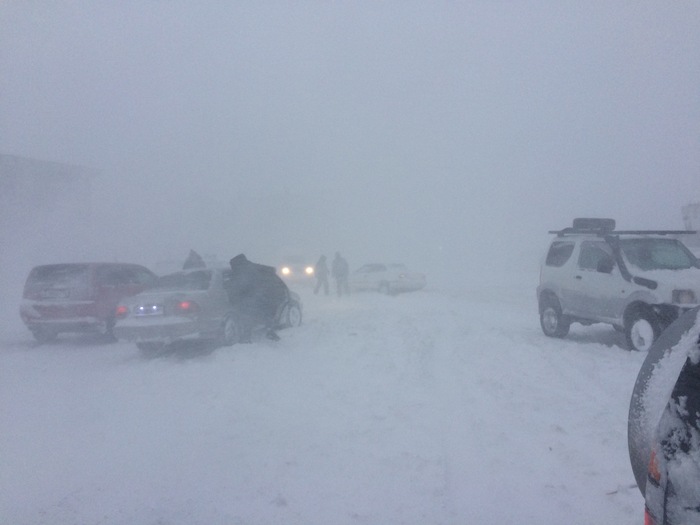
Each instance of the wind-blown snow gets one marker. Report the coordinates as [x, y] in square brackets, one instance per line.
[426, 408]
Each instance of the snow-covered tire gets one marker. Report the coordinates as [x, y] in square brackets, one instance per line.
[641, 329]
[229, 332]
[553, 322]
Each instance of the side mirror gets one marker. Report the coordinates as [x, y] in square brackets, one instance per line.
[606, 265]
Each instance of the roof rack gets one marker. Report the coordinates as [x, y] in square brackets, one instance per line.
[607, 227]
[588, 225]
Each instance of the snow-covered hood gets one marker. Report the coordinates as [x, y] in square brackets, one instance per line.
[687, 279]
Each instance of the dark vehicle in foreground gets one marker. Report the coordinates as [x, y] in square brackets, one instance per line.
[637, 281]
[386, 278]
[664, 425]
[190, 305]
[78, 297]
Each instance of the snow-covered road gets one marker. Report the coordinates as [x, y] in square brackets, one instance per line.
[425, 408]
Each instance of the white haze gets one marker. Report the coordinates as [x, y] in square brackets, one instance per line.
[447, 135]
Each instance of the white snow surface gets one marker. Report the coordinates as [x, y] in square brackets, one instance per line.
[433, 407]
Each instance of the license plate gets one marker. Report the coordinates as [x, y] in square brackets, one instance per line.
[148, 309]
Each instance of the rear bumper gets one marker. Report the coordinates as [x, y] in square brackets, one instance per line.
[60, 317]
[166, 331]
[82, 325]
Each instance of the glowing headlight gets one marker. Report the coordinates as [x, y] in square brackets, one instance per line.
[309, 270]
[286, 270]
[683, 297]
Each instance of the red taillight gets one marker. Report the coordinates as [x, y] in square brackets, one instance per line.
[121, 312]
[653, 469]
[648, 519]
[186, 308]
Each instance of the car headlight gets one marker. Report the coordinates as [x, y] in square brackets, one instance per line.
[309, 270]
[683, 297]
[286, 270]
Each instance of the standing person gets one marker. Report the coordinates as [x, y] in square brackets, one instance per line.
[340, 271]
[321, 273]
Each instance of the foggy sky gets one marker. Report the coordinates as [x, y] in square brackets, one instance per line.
[437, 133]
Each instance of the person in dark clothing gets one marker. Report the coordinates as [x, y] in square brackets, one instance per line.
[340, 272]
[321, 273]
[257, 293]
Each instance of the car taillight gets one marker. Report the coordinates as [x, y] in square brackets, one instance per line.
[648, 518]
[121, 312]
[653, 469]
[186, 308]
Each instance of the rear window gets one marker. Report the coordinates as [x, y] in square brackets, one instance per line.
[197, 280]
[559, 253]
[57, 281]
[63, 275]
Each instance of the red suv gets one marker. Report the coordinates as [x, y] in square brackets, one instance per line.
[78, 297]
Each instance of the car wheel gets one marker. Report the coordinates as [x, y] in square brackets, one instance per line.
[44, 335]
[292, 315]
[552, 321]
[152, 349]
[229, 332]
[384, 288]
[641, 329]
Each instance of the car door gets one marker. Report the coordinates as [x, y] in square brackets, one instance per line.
[597, 281]
[112, 283]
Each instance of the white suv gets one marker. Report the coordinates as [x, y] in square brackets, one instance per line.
[637, 281]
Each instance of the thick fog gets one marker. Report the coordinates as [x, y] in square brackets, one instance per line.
[450, 136]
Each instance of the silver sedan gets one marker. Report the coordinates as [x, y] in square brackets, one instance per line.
[188, 305]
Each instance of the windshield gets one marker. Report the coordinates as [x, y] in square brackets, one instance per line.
[198, 280]
[657, 254]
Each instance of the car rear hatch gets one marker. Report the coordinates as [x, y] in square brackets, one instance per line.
[59, 291]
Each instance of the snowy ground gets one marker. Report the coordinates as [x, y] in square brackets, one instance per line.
[427, 408]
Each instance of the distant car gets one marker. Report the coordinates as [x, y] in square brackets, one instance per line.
[78, 297]
[386, 278]
[188, 305]
[664, 425]
[637, 281]
[297, 270]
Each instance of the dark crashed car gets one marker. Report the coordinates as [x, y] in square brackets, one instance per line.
[664, 425]
[190, 305]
